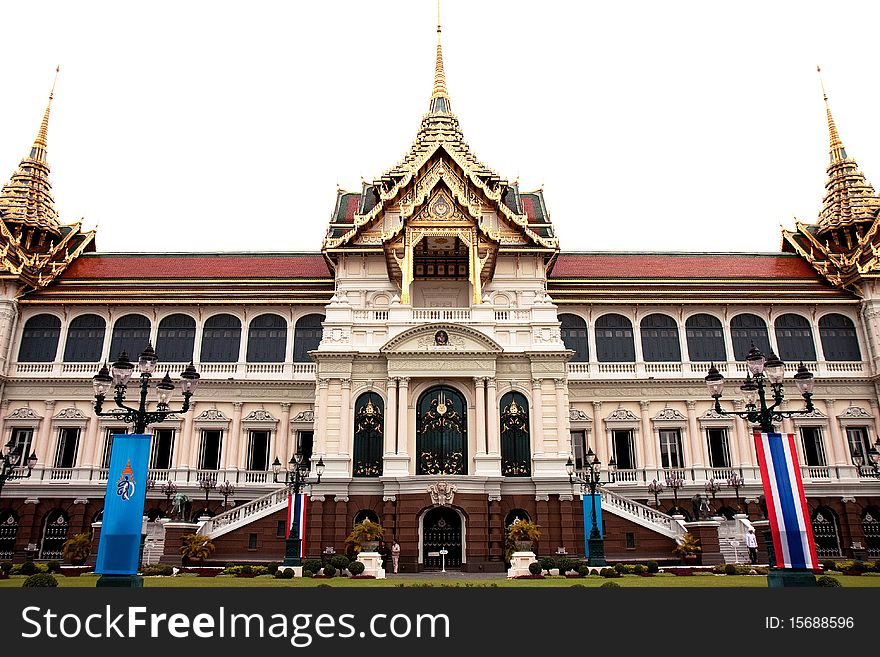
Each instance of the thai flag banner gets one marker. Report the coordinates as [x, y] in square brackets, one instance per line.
[296, 511]
[786, 503]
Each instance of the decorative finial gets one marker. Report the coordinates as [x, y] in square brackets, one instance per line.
[838, 152]
[439, 95]
[38, 151]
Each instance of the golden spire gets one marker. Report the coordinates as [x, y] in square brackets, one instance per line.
[439, 94]
[38, 151]
[838, 152]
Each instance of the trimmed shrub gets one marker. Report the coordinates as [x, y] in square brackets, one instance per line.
[5, 567]
[29, 568]
[565, 564]
[40, 580]
[356, 568]
[639, 569]
[620, 568]
[314, 565]
[827, 580]
[548, 562]
[609, 572]
[609, 585]
[339, 561]
[271, 568]
[730, 569]
[54, 566]
[329, 570]
[287, 574]
[155, 569]
[859, 567]
[535, 568]
[583, 570]
[653, 567]
[829, 564]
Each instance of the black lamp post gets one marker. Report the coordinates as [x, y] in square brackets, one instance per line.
[207, 484]
[674, 482]
[870, 462]
[655, 488]
[764, 372]
[295, 478]
[11, 466]
[589, 478]
[227, 490]
[169, 489]
[736, 482]
[712, 487]
[118, 376]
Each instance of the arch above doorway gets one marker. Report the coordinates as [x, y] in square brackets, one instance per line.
[442, 527]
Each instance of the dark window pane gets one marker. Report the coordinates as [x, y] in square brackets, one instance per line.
[68, 442]
[623, 449]
[838, 335]
[176, 339]
[39, 339]
[369, 435]
[258, 450]
[574, 335]
[163, 449]
[267, 339]
[85, 339]
[746, 330]
[719, 453]
[221, 339]
[814, 452]
[660, 339]
[614, 339]
[516, 460]
[795, 338]
[306, 337]
[705, 338]
[130, 334]
[209, 459]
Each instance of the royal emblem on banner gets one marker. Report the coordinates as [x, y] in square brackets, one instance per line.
[126, 484]
[787, 510]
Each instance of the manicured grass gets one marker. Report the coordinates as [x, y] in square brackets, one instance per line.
[695, 581]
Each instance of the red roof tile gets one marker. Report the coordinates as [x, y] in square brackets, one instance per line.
[191, 265]
[681, 265]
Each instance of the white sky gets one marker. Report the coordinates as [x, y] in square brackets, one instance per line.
[197, 126]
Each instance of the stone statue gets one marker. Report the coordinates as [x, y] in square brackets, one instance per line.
[180, 501]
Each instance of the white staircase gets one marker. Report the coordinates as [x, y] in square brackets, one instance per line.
[642, 515]
[154, 543]
[245, 514]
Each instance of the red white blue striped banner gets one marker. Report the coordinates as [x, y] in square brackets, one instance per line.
[787, 510]
[297, 511]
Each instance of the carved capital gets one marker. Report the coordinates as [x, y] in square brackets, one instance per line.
[645, 405]
[389, 498]
[566, 497]
[340, 498]
[597, 406]
[346, 383]
[285, 406]
[494, 498]
[404, 381]
[542, 497]
[691, 405]
[537, 383]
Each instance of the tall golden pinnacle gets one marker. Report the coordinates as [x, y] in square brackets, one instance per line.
[38, 151]
[439, 91]
[838, 152]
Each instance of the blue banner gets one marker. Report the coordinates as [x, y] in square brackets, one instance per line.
[588, 518]
[120, 543]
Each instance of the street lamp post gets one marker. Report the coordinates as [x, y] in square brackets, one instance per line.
[589, 478]
[761, 373]
[674, 482]
[868, 465]
[735, 481]
[227, 490]
[169, 489]
[11, 467]
[207, 484]
[655, 488]
[712, 487]
[295, 478]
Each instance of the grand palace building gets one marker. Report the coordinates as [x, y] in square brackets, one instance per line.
[445, 358]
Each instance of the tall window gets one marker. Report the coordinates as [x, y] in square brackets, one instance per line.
[176, 338]
[306, 337]
[670, 449]
[23, 438]
[624, 454]
[795, 338]
[814, 450]
[705, 338]
[267, 339]
[746, 330]
[258, 450]
[209, 451]
[838, 335]
[579, 448]
[369, 435]
[221, 339]
[516, 458]
[131, 334]
[719, 450]
[85, 339]
[306, 441]
[39, 339]
[65, 453]
[614, 339]
[574, 336]
[441, 433]
[108, 444]
[163, 449]
[660, 339]
[857, 437]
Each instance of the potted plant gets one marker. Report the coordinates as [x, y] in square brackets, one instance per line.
[689, 549]
[77, 549]
[365, 536]
[196, 548]
[522, 534]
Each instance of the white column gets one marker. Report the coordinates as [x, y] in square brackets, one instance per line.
[345, 446]
[563, 437]
[481, 439]
[839, 448]
[600, 439]
[282, 436]
[649, 443]
[391, 416]
[90, 447]
[230, 455]
[320, 444]
[743, 437]
[180, 458]
[695, 437]
[403, 416]
[538, 416]
[492, 416]
[42, 445]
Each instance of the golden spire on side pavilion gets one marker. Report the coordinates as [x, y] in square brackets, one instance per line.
[838, 152]
[38, 150]
[439, 94]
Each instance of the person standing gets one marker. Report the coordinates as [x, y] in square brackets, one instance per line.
[752, 544]
[395, 555]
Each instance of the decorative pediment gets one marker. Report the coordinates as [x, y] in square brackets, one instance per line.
[304, 416]
[669, 415]
[447, 339]
[23, 413]
[260, 416]
[211, 415]
[855, 412]
[577, 415]
[71, 414]
[622, 415]
[712, 414]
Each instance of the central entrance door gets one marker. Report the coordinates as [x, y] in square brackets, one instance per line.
[441, 441]
[442, 529]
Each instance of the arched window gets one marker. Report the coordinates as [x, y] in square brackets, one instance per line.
[838, 335]
[85, 339]
[794, 338]
[267, 339]
[221, 339]
[441, 432]
[574, 335]
[8, 534]
[660, 339]
[369, 410]
[176, 339]
[54, 534]
[825, 532]
[614, 339]
[871, 530]
[705, 338]
[747, 330]
[306, 337]
[39, 339]
[131, 334]
[516, 460]
[515, 515]
[365, 514]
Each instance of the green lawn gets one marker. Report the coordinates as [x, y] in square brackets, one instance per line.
[696, 581]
